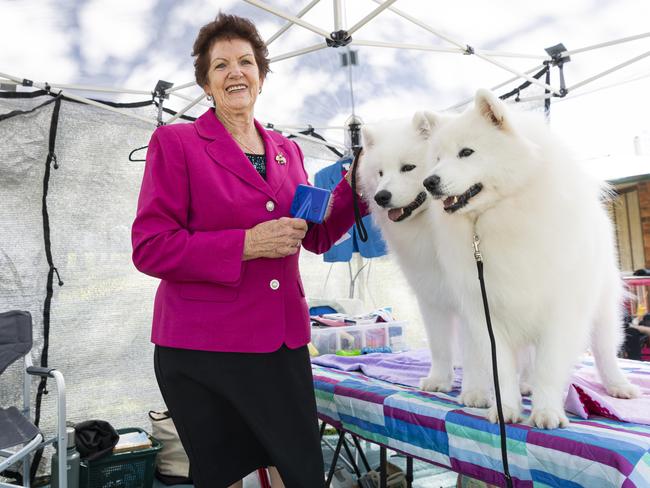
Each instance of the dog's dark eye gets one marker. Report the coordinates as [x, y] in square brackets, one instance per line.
[407, 167]
[465, 152]
[381, 173]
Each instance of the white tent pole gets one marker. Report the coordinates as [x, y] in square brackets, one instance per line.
[91, 88]
[605, 44]
[515, 72]
[180, 87]
[469, 100]
[487, 58]
[310, 138]
[567, 53]
[100, 89]
[395, 45]
[338, 15]
[190, 99]
[502, 54]
[13, 78]
[421, 47]
[460, 46]
[292, 54]
[605, 87]
[87, 101]
[573, 95]
[185, 109]
[286, 26]
[423, 25]
[110, 90]
[290, 17]
[608, 71]
[370, 16]
[109, 108]
[305, 127]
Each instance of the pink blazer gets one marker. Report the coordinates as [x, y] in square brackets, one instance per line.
[199, 194]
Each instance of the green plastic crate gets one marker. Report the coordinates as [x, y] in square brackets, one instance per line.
[129, 469]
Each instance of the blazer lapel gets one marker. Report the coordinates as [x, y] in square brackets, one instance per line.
[277, 160]
[225, 152]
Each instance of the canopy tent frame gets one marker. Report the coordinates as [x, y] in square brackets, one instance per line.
[340, 38]
[57, 90]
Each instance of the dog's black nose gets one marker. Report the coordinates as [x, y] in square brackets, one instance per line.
[432, 184]
[383, 198]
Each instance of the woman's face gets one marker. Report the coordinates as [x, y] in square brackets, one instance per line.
[233, 76]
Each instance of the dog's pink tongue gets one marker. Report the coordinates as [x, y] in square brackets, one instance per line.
[395, 213]
[448, 202]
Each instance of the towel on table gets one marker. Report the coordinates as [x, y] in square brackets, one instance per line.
[586, 396]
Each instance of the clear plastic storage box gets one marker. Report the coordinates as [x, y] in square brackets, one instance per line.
[328, 340]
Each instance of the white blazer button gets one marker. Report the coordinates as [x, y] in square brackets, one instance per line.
[274, 284]
[270, 206]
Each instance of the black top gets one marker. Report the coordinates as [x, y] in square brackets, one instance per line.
[259, 162]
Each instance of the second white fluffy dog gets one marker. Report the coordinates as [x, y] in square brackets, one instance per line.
[549, 256]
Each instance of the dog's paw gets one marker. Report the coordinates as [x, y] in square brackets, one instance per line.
[525, 388]
[435, 383]
[548, 418]
[510, 415]
[624, 390]
[476, 398]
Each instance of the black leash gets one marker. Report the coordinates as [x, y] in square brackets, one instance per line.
[361, 229]
[495, 371]
[363, 235]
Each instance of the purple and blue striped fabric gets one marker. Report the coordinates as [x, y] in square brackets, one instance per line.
[593, 453]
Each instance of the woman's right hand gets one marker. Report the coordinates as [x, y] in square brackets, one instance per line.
[274, 238]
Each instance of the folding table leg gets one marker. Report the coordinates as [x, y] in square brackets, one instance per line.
[350, 456]
[335, 459]
[383, 477]
[409, 471]
[366, 464]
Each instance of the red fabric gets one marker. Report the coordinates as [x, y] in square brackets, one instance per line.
[199, 194]
[264, 478]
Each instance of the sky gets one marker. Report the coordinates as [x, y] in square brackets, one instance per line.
[133, 44]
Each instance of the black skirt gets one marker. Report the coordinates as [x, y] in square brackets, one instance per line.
[236, 412]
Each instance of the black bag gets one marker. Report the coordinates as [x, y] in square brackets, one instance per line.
[95, 439]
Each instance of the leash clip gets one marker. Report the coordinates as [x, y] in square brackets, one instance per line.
[477, 252]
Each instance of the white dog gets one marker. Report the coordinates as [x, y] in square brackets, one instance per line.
[548, 250]
[394, 163]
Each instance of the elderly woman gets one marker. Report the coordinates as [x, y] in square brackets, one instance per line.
[230, 321]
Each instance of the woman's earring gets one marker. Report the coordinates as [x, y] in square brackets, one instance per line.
[209, 97]
[260, 91]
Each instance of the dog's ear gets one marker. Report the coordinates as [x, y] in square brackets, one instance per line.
[424, 122]
[367, 137]
[491, 108]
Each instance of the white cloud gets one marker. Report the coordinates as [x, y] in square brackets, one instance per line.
[116, 29]
[35, 45]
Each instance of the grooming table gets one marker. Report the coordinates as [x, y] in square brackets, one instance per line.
[433, 427]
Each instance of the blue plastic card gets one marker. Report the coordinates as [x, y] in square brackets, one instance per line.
[310, 203]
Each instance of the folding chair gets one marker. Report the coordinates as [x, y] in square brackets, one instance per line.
[19, 437]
